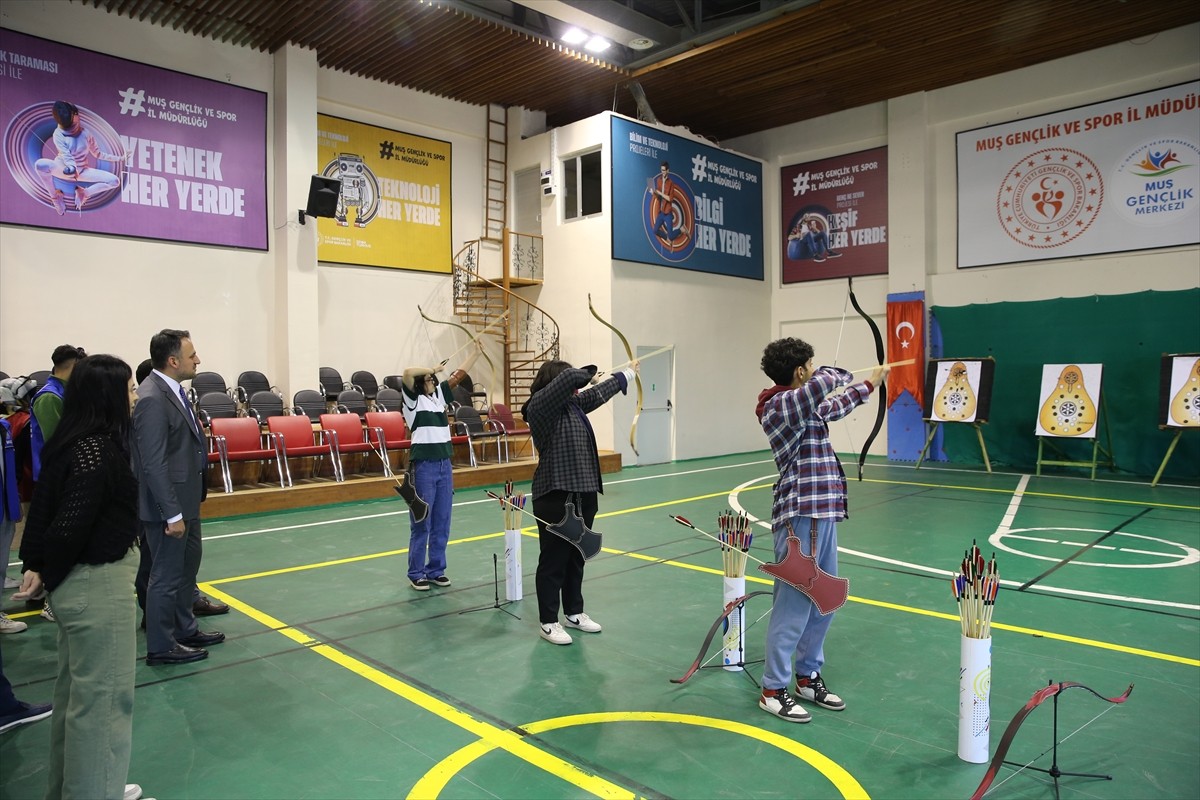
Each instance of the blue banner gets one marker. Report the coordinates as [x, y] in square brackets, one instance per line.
[679, 203]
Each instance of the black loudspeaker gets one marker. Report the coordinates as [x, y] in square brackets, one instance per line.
[323, 196]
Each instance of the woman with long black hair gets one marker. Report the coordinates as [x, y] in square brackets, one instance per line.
[568, 472]
[79, 543]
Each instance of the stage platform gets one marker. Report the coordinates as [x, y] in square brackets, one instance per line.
[261, 497]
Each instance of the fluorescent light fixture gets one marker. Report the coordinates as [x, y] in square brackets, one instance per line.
[597, 44]
[574, 36]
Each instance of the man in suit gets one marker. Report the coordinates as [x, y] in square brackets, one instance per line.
[169, 461]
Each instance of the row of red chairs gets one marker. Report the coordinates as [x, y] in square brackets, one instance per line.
[241, 439]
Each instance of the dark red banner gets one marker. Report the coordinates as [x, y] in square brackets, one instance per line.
[834, 217]
[906, 341]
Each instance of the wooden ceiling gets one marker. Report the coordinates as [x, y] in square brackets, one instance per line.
[825, 57]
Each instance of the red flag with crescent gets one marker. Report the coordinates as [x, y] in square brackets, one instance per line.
[906, 341]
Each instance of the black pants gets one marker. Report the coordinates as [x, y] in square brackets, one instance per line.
[560, 564]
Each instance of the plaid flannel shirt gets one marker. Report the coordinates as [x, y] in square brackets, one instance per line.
[566, 444]
[811, 480]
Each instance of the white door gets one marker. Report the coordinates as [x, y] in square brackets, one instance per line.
[656, 426]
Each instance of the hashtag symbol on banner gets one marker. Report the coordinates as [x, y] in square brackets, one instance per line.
[132, 101]
[699, 168]
[800, 185]
[386, 150]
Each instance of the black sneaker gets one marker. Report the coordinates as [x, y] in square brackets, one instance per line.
[441, 580]
[781, 704]
[421, 585]
[832, 254]
[813, 690]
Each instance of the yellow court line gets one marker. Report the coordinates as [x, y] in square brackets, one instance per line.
[507, 740]
[1102, 645]
[434, 782]
[989, 490]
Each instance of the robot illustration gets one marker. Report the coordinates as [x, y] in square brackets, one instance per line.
[360, 189]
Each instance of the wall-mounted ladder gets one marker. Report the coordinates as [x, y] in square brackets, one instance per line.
[495, 196]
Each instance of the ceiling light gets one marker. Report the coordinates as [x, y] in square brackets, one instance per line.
[574, 36]
[597, 44]
[641, 43]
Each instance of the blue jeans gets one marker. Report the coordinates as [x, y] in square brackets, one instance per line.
[796, 632]
[434, 482]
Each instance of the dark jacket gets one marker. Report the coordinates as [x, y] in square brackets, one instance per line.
[84, 510]
[566, 445]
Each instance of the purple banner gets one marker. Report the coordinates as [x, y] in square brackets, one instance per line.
[104, 145]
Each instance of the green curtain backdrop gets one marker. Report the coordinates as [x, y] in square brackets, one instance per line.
[1126, 333]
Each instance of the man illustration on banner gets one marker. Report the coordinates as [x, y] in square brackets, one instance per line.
[68, 172]
[664, 201]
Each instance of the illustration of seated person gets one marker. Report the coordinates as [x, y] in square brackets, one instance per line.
[68, 172]
[809, 238]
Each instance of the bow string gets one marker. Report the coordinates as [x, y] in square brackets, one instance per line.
[474, 337]
[636, 377]
[1039, 697]
[881, 389]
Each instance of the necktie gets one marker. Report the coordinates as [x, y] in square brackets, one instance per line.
[187, 407]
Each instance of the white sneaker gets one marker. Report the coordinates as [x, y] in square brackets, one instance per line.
[555, 634]
[813, 690]
[47, 612]
[783, 706]
[11, 625]
[11, 583]
[133, 791]
[584, 623]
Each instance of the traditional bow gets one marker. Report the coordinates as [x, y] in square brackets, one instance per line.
[1039, 697]
[712, 632]
[474, 337]
[636, 378]
[881, 389]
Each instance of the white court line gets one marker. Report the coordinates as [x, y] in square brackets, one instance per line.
[1004, 524]
[1011, 513]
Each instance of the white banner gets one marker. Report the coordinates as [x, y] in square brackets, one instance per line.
[1110, 177]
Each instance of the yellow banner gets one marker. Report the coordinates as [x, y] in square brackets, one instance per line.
[394, 207]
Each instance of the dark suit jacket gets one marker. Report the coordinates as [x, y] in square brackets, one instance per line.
[169, 455]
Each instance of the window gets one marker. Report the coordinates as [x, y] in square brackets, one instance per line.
[581, 185]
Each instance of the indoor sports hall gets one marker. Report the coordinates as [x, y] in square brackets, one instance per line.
[338, 680]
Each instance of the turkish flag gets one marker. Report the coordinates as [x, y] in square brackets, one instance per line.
[905, 341]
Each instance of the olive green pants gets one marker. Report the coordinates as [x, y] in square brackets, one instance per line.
[91, 730]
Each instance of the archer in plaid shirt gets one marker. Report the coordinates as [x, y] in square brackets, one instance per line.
[811, 491]
[568, 470]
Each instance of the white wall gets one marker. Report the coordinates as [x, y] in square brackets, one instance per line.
[919, 131]
[277, 311]
[280, 309]
[718, 324]
[108, 294]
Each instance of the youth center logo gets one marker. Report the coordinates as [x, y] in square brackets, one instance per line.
[1156, 184]
[1050, 197]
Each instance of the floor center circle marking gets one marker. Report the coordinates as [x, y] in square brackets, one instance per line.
[435, 780]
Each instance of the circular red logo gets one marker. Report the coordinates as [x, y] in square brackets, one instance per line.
[1050, 197]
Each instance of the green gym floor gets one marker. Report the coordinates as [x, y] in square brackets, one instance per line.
[339, 681]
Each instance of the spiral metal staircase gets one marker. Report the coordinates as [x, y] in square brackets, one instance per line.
[530, 336]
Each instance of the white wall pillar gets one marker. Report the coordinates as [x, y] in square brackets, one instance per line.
[296, 345]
